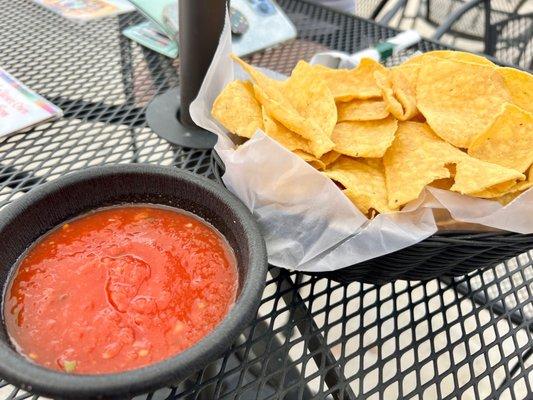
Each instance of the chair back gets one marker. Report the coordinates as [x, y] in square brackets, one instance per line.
[511, 40]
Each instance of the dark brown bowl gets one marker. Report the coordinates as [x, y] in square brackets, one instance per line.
[25, 220]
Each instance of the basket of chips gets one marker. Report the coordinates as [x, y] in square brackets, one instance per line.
[450, 252]
[375, 173]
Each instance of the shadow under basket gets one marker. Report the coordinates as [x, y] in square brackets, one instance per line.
[451, 253]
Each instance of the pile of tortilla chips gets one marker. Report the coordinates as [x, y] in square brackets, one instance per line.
[447, 119]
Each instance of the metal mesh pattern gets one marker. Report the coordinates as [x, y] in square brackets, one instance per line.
[312, 338]
[472, 23]
[508, 36]
[367, 8]
[513, 40]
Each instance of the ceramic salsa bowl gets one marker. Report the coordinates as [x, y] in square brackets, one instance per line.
[25, 220]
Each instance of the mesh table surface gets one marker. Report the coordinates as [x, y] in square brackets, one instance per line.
[313, 338]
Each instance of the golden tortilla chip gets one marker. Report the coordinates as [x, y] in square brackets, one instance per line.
[364, 138]
[313, 100]
[508, 197]
[412, 162]
[330, 157]
[459, 100]
[474, 175]
[517, 189]
[349, 84]
[237, 109]
[362, 202]
[398, 94]
[376, 163]
[418, 157]
[451, 55]
[520, 86]
[272, 95]
[310, 159]
[508, 141]
[409, 72]
[362, 110]
[365, 184]
[497, 190]
[524, 184]
[290, 140]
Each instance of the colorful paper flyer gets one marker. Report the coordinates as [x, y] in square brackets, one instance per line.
[147, 34]
[86, 10]
[20, 107]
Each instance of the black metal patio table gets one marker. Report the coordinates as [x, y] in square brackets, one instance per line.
[467, 338]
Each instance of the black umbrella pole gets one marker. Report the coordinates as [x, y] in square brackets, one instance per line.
[200, 25]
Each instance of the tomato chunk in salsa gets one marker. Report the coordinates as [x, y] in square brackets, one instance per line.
[120, 288]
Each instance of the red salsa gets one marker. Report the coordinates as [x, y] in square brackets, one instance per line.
[120, 288]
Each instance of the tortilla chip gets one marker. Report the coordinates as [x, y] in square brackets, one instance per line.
[313, 100]
[364, 138]
[451, 55]
[349, 84]
[272, 95]
[376, 163]
[524, 184]
[412, 162]
[310, 159]
[290, 140]
[398, 94]
[459, 100]
[508, 141]
[521, 186]
[418, 157]
[365, 184]
[520, 86]
[474, 175]
[508, 197]
[362, 110]
[409, 72]
[330, 157]
[362, 202]
[237, 109]
[496, 190]
[517, 189]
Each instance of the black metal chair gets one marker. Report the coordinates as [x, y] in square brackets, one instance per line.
[502, 28]
[512, 39]
[468, 17]
[370, 8]
[507, 34]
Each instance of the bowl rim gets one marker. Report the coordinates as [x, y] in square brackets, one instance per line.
[32, 377]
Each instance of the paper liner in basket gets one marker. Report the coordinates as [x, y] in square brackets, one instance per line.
[307, 222]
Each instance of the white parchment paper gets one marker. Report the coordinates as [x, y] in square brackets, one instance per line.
[307, 222]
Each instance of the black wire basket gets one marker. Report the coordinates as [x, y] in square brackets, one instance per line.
[450, 253]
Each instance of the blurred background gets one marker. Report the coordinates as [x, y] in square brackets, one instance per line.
[499, 28]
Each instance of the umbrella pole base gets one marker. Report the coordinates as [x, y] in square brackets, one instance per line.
[162, 116]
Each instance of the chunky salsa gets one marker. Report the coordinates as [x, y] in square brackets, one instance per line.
[120, 288]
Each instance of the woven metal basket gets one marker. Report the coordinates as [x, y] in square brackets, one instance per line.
[449, 253]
